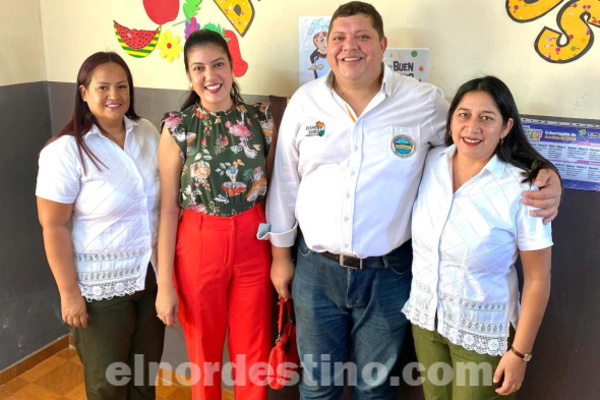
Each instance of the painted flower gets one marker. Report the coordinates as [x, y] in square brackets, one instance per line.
[169, 46]
[224, 140]
[191, 27]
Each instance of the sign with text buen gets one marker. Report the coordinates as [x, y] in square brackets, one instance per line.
[409, 62]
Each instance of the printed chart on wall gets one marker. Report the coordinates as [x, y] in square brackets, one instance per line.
[409, 62]
[573, 148]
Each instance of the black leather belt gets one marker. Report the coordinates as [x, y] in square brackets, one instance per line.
[347, 261]
[403, 252]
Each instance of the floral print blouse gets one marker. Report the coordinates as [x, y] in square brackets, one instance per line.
[223, 157]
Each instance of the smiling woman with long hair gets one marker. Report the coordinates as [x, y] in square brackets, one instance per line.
[469, 227]
[97, 196]
[213, 271]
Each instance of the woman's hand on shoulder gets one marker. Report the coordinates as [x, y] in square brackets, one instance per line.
[74, 310]
[167, 305]
[511, 370]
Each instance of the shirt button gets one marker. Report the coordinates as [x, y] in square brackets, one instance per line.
[346, 219]
[355, 148]
[346, 245]
[347, 195]
[352, 173]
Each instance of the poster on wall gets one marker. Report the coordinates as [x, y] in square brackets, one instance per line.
[573, 148]
[313, 48]
[409, 62]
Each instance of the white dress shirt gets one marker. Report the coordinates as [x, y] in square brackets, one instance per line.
[342, 180]
[465, 245]
[115, 207]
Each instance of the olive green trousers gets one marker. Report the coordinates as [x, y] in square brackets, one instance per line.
[122, 345]
[451, 372]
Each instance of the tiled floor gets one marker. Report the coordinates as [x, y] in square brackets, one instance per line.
[60, 377]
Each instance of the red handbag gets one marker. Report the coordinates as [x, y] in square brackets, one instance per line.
[283, 359]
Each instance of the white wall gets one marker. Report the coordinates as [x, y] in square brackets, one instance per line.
[467, 38]
[22, 56]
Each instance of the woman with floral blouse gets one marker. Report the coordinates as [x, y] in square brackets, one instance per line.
[213, 273]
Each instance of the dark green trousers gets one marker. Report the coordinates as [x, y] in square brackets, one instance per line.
[122, 330]
[437, 353]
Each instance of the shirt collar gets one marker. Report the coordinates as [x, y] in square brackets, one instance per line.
[494, 166]
[129, 124]
[386, 83]
[388, 77]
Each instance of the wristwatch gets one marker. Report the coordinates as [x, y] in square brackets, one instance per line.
[525, 357]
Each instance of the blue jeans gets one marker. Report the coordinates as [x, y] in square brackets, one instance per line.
[350, 327]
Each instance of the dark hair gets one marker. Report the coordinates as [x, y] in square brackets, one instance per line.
[359, 7]
[515, 148]
[207, 37]
[82, 118]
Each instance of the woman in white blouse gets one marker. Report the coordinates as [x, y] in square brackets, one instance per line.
[97, 195]
[468, 228]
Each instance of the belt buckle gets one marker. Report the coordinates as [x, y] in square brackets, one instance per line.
[343, 264]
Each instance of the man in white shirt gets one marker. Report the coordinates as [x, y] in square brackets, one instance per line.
[349, 160]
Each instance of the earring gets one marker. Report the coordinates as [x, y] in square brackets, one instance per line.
[191, 85]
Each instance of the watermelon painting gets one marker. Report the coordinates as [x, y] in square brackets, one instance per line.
[136, 43]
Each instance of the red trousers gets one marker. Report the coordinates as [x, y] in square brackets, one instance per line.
[222, 279]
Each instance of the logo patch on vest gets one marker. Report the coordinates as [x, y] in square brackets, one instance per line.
[403, 146]
[317, 129]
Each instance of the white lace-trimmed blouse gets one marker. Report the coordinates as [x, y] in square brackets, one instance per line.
[465, 245]
[115, 207]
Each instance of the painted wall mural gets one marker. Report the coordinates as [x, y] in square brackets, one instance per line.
[575, 20]
[239, 12]
[161, 11]
[136, 43]
[239, 65]
[141, 43]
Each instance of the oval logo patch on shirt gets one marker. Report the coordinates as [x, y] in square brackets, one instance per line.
[403, 146]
